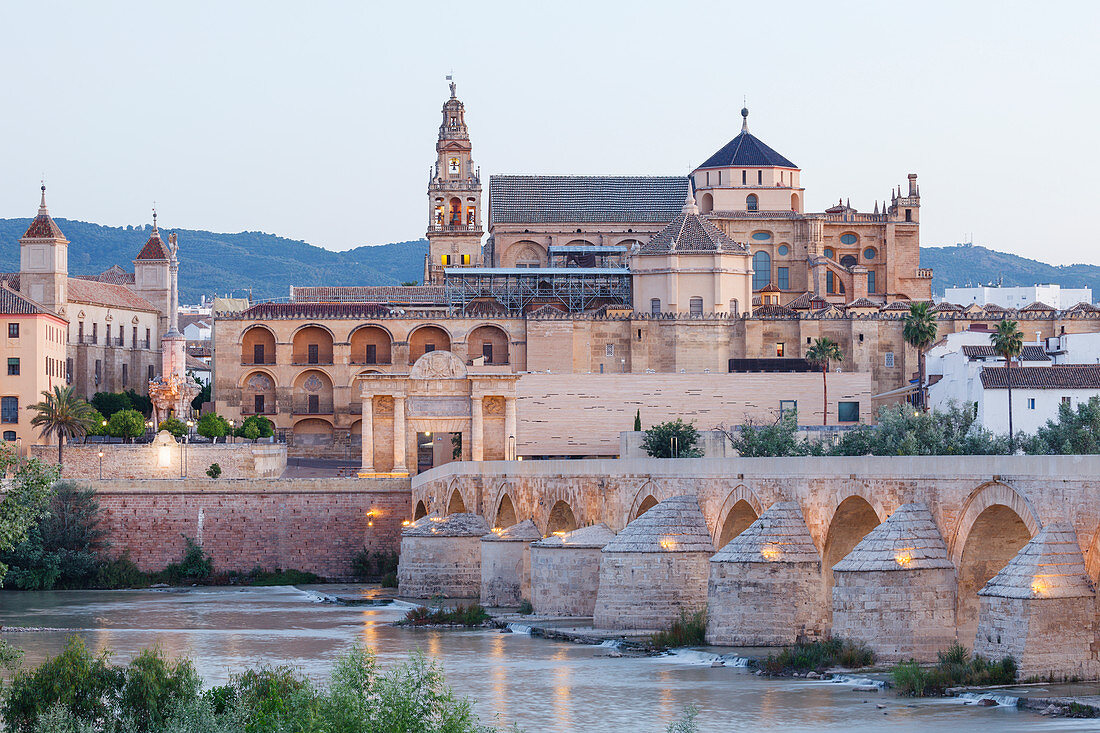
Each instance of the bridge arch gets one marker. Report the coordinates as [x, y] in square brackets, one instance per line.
[421, 510]
[506, 511]
[740, 509]
[849, 522]
[649, 495]
[560, 518]
[995, 523]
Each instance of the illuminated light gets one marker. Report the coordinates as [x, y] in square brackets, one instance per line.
[101, 454]
[558, 534]
[1040, 587]
[406, 523]
[428, 434]
[903, 557]
[770, 553]
[437, 519]
[370, 524]
[667, 544]
[497, 530]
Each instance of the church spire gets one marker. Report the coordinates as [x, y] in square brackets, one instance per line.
[42, 210]
[744, 119]
[156, 232]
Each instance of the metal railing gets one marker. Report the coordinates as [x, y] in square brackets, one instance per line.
[302, 406]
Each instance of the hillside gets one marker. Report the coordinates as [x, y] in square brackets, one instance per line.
[220, 263]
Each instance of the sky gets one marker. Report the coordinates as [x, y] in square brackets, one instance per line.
[318, 121]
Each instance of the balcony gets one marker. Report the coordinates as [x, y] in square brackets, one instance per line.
[265, 362]
[316, 406]
[251, 410]
[455, 228]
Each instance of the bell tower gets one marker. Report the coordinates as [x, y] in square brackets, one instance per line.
[44, 261]
[454, 198]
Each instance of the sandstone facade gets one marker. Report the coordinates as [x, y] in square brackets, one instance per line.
[145, 461]
[441, 556]
[565, 571]
[506, 564]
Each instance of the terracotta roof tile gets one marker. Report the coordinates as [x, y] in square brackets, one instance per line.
[43, 227]
[13, 303]
[262, 311]
[1036, 307]
[154, 249]
[1057, 376]
[107, 294]
[113, 274]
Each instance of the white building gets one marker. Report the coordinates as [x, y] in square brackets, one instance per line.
[1074, 348]
[1055, 296]
[1037, 392]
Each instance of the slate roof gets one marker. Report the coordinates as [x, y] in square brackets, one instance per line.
[111, 295]
[13, 303]
[11, 279]
[581, 199]
[778, 535]
[746, 151]
[525, 531]
[113, 274]
[1056, 376]
[594, 535]
[154, 249]
[461, 524]
[397, 294]
[908, 540]
[690, 232]
[674, 525]
[985, 351]
[1049, 566]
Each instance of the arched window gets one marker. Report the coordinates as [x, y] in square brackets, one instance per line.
[761, 270]
[707, 203]
[848, 260]
[695, 306]
[456, 212]
[751, 202]
[733, 307]
[794, 200]
[655, 306]
[830, 282]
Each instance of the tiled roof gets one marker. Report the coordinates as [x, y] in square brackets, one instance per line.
[770, 288]
[994, 308]
[908, 540]
[674, 525]
[194, 364]
[13, 303]
[898, 305]
[1036, 307]
[262, 311]
[772, 311]
[807, 301]
[397, 294]
[1057, 376]
[778, 535]
[863, 303]
[594, 535]
[154, 249]
[453, 525]
[946, 308]
[43, 227]
[200, 319]
[11, 279]
[581, 199]
[1049, 566]
[525, 531]
[746, 151]
[1083, 306]
[113, 274]
[984, 351]
[691, 233]
[107, 294]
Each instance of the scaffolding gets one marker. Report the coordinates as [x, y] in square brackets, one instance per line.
[576, 289]
[587, 255]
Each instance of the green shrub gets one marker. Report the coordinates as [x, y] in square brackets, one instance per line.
[108, 403]
[153, 687]
[525, 608]
[176, 427]
[97, 423]
[369, 565]
[658, 441]
[195, 565]
[389, 580]
[954, 668]
[460, 615]
[120, 572]
[214, 471]
[126, 424]
[255, 426]
[259, 577]
[212, 425]
[688, 630]
[806, 656]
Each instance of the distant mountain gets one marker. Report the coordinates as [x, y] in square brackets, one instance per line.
[969, 265]
[220, 263]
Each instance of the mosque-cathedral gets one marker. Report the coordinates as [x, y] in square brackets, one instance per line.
[593, 298]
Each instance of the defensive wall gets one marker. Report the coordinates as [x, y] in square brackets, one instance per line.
[310, 524]
[166, 460]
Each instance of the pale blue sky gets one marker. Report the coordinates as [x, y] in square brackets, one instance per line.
[318, 120]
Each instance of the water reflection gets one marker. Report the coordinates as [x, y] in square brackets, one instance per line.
[539, 684]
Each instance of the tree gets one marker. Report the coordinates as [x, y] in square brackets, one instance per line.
[212, 425]
[638, 421]
[62, 414]
[126, 424]
[903, 430]
[821, 353]
[140, 402]
[26, 497]
[204, 393]
[673, 439]
[1008, 342]
[1076, 432]
[779, 438]
[97, 423]
[919, 332]
[108, 403]
[173, 425]
[255, 426]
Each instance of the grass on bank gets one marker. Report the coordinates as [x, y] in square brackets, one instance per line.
[817, 656]
[955, 668]
[460, 615]
[688, 630]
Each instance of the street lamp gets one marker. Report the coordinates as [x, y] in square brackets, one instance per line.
[674, 446]
[190, 424]
[101, 465]
[511, 447]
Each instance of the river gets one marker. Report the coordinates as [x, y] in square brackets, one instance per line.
[541, 685]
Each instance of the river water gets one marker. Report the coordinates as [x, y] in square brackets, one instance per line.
[541, 685]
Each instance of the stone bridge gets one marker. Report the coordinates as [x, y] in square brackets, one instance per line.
[986, 507]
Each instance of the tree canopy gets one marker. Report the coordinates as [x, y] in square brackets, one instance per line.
[675, 438]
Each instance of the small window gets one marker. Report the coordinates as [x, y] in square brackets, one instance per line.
[848, 239]
[1031, 403]
[487, 351]
[751, 202]
[371, 355]
[133, 341]
[258, 404]
[784, 250]
[80, 332]
[888, 362]
[446, 259]
[465, 259]
[909, 215]
[695, 306]
[830, 282]
[1065, 400]
[762, 236]
[69, 371]
[9, 409]
[744, 178]
[783, 277]
[655, 306]
[847, 412]
[609, 350]
[313, 354]
[429, 348]
[95, 333]
[870, 253]
[150, 373]
[13, 330]
[13, 366]
[147, 340]
[125, 376]
[830, 253]
[780, 349]
[9, 436]
[759, 177]
[870, 281]
[786, 406]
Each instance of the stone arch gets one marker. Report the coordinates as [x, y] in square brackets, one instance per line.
[420, 511]
[312, 433]
[257, 341]
[258, 392]
[706, 203]
[313, 393]
[252, 372]
[852, 518]
[312, 344]
[741, 495]
[497, 339]
[366, 336]
[455, 504]
[794, 202]
[506, 512]
[649, 490]
[995, 523]
[425, 335]
[561, 518]
[524, 253]
[647, 503]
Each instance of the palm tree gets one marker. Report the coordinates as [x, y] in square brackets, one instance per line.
[1008, 342]
[919, 332]
[63, 414]
[821, 353]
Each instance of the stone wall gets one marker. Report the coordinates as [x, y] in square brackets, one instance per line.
[564, 580]
[505, 572]
[315, 525]
[149, 461]
[1046, 636]
[439, 566]
[736, 616]
[648, 590]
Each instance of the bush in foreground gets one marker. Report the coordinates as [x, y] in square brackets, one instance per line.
[955, 668]
[688, 630]
[460, 615]
[817, 656]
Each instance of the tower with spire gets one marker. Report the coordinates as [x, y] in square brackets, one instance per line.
[44, 261]
[152, 272]
[173, 390]
[454, 198]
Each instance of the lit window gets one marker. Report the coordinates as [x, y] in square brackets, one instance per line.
[695, 306]
[751, 202]
[779, 349]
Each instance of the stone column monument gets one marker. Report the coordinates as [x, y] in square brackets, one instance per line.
[172, 391]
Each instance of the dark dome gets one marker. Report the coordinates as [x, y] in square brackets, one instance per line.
[746, 151]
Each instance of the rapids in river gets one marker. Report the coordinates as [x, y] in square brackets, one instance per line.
[513, 678]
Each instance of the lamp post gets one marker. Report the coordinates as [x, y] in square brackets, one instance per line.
[183, 459]
[674, 446]
[511, 448]
[101, 465]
